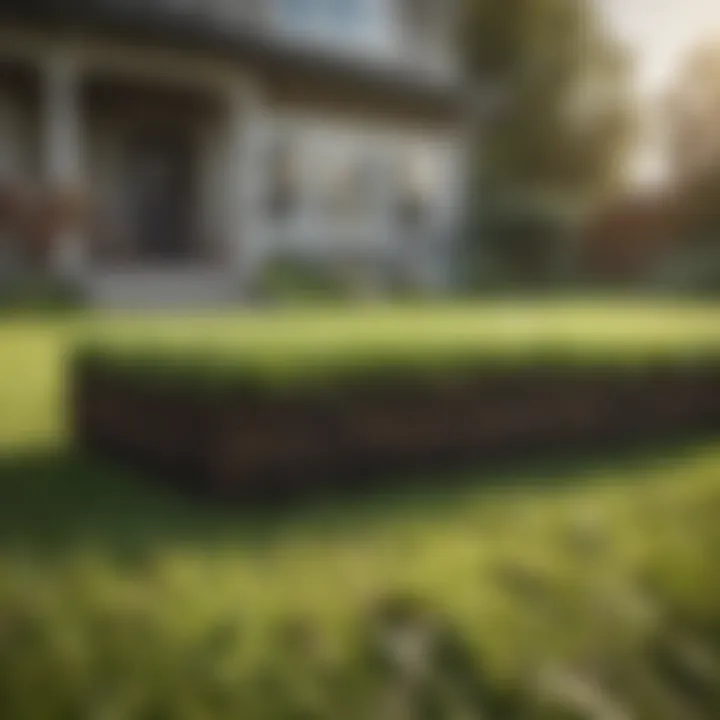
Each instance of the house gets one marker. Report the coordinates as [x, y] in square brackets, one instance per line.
[177, 146]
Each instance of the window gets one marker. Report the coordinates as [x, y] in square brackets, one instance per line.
[344, 21]
[296, 14]
[325, 178]
[347, 13]
[329, 180]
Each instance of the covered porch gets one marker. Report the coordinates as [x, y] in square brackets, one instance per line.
[128, 174]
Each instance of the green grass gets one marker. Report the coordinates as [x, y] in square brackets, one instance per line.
[119, 598]
[303, 350]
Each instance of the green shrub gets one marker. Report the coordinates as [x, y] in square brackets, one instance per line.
[521, 244]
[691, 271]
[296, 279]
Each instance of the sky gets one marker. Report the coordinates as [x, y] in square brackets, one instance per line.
[659, 33]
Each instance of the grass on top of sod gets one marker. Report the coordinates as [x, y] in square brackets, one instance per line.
[591, 582]
[307, 350]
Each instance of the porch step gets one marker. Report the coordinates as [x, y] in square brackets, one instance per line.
[159, 289]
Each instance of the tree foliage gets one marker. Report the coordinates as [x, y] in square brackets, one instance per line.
[690, 116]
[564, 122]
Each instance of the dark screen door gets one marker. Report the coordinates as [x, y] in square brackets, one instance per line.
[161, 185]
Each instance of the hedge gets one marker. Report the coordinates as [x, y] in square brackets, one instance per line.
[292, 415]
[296, 365]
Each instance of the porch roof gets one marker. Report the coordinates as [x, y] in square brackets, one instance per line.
[241, 40]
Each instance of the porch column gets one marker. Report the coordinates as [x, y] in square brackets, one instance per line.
[8, 141]
[62, 160]
[8, 146]
[247, 184]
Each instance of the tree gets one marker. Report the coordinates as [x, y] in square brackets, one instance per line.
[565, 123]
[691, 112]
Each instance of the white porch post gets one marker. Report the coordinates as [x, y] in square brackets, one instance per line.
[8, 146]
[8, 141]
[62, 154]
[247, 183]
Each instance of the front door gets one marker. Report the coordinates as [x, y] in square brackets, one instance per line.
[160, 180]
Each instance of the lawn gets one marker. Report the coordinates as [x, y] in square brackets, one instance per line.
[571, 587]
